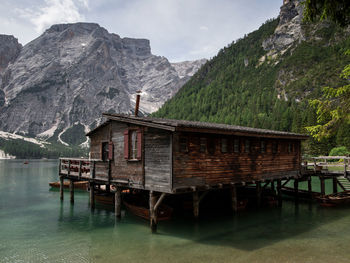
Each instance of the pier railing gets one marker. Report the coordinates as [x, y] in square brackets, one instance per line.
[83, 168]
[329, 164]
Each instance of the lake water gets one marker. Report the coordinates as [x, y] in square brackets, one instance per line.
[36, 227]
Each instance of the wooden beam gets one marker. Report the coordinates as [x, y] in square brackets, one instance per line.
[273, 186]
[159, 201]
[92, 195]
[335, 185]
[309, 185]
[323, 190]
[152, 211]
[61, 187]
[258, 194]
[234, 198]
[279, 192]
[71, 189]
[117, 202]
[296, 189]
[196, 204]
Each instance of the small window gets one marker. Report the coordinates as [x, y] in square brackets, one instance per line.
[262, 146]
[290, 147]
[105, 151]
[133, 145]
[236, 145]
[183, 144]
[274, 147]
[211, 146]
[203, 145]
[247, 146]
[224, 147]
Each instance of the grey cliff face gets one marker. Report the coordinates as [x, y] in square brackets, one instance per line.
[289, 28]
[9, 51]
[74, 72]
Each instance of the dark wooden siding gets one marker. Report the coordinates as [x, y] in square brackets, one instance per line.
[158, 158]
[213, 167]
[123, 169]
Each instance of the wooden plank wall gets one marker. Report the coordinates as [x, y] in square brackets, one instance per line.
[123, 169]
[194, 168]
[157, 149]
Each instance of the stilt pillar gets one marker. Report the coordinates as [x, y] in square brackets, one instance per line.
[296, 189]
[323, 189]
[92, 195]
[258, 194]
[61, 187]
[309, 185]
[335, 185]
[117, 202]
[273, 187]
[71, 190]
[234, 198]
[152, 211]
[279, 192]
[108, 188]
[196, 204]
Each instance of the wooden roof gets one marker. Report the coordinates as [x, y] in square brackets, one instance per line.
[196, 126]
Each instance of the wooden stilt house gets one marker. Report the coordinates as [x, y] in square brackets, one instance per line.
[174, 156]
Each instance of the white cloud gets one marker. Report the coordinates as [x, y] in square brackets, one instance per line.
[54, 12]
[203, 28]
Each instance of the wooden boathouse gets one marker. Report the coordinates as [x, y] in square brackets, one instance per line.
[165, 157]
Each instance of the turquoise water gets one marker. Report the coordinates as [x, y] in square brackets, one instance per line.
[36, 227]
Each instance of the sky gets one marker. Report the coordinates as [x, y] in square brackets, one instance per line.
[179, 30]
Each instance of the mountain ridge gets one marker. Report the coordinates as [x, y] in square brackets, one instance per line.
[73, 72]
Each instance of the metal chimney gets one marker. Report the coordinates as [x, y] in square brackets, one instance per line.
[138, 95]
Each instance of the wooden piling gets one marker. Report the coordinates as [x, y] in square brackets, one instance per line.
[196, 204]
[296, 189]
[92, 195]
[234, 197]
[279, 192]
[61, 187]
[323, 189]
[335, 185]
[117, 202]
[258, 194]
[309, 185]
[273, 186]
[152, 211]
[71, 189]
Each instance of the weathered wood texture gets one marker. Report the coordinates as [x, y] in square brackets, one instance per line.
[213, 167]
[124, 169]
[130, 171]
[157, 151]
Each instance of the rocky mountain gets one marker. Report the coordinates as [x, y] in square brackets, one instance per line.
[267, 78]
[63, 80]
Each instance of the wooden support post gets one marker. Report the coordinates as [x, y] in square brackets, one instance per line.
[323, 190]
[71, 189]
[273, 186]
[309, 185]
[92, 195]
[152, 211]
[296, 189]
[80, 164]
[335, 185]
[234, 202]
[61, 187]
[108, 188]
[279, 192]
[258, 194]
[196, 204]
[117, 202]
